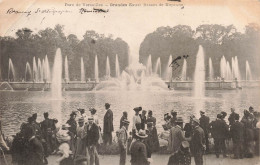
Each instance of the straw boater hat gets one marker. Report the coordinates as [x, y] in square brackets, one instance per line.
[196, 120]
[90, 118]
[141, 134]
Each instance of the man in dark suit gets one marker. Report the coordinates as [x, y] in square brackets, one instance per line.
[35, 153]
[198, 142]
[108, 125]
[92, 141]
[124, 117]
[219, 130]
[204, 124]
[231, 117]
[237, 131]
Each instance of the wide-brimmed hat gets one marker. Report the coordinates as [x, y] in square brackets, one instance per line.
[141, 134]
[65, 126]
[179, 120]
[137, 109]
[196, 120]
[125, 121]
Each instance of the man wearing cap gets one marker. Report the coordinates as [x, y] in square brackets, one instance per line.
[182, 156]
[108, 125]
[231, 117]
[198, 142]
[47, 128]
[219, 130]
[138, 150]
[204, 124]
[92, 141]
[237, 130]
[176, 136]
[122, 141]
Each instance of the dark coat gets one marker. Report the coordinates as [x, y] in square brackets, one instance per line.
[143, 121]
[108, 122]
[219, 129]
[198, 139]
[151, 119]
[237, 131]
[176, 137]
[92, 134]
[231, 118]
[138, 153]
[73, 126]
[180, 158]
[35, 152]
[188, 130]
[47, 126]
[204, 123]
[121, 121]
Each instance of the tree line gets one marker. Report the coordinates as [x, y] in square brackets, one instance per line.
[217, 40]
[27, 44]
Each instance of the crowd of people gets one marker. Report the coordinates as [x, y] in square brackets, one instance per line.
[77, 141]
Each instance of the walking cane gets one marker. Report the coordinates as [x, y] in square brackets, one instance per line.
[4, 156]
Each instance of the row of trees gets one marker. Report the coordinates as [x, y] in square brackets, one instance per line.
[27, 44]
[217, 40]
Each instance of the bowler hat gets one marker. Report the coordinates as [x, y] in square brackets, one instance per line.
[179, 120]
[107, 104]
[251, 108]
[202, 112]
[125, 121]
[141, 134]
[196, 120]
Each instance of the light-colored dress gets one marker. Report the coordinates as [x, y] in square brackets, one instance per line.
[96, 121]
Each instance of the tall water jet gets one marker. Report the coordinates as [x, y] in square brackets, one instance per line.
[117, 67]
[223, 69]
[47, 70]
[184, 71]
[211, 70]
[169, 69]
[236, 69]
[82, 70]
[66, 67]
[149, 70]
[56, 85]
[228, 72]
[11, 70]
[108, 68]
[40, 72]
[199, 81]
[157, 69]
[35, 70]
[28, 72]
[96, 69]
[248, 72]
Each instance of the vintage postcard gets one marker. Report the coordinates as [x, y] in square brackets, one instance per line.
[129, 82]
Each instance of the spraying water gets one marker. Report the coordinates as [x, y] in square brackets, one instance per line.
[236, 69]
[11, 70]
[82, 70]
[211, 70]
[149, 70]
[157, 69]
[108, 68]
[169, 69]
[96, 69]
[248, 72]
[35, 70]
[66, 67]
[184, 71]
[40, 77]
[228, 72]
[223, 65]
[47, 70]
[199, 81]
[117, 67]
[56, 85]
[28, 71]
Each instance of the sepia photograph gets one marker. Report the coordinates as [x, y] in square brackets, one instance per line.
[149, 82]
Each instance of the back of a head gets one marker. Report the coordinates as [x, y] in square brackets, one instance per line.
[236, 117]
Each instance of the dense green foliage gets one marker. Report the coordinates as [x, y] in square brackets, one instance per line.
[217, 40]
[27, 44]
